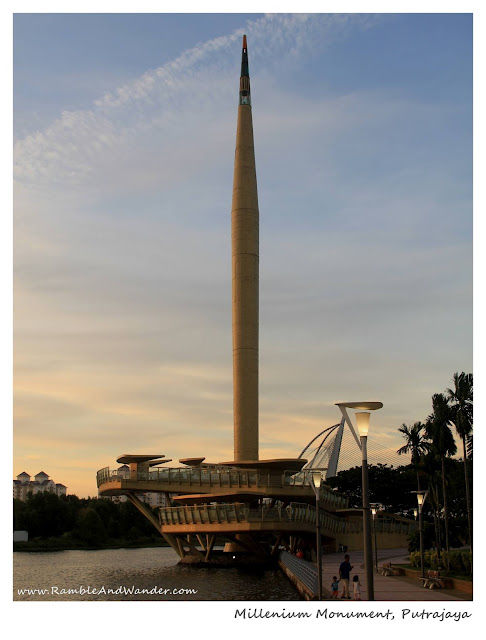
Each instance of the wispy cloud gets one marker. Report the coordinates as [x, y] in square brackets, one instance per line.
[73, 147]
[122, 255]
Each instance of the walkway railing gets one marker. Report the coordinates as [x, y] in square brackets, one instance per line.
[231, 513]
[224, 478]
[303, 571]
[295, 512]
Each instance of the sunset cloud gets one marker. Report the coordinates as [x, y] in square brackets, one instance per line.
[122, 245]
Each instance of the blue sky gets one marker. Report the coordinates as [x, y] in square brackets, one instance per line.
[124, 131]
[63, 61]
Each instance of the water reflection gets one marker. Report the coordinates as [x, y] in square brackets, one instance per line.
[54, 574]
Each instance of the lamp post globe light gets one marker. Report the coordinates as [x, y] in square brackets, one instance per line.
[316, 480]
[363, 422]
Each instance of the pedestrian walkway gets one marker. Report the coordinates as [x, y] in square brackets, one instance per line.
[385, 588]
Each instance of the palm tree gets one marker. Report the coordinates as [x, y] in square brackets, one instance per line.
[416, 445]
[430, 467]
[461, 401]
[442, 444]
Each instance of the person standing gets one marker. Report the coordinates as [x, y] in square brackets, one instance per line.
[344, 571]
[334, 588]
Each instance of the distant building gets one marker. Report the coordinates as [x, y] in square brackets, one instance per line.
[41, 483]
[153, 499]
[123, 471]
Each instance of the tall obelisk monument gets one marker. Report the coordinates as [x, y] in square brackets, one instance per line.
[244, 234]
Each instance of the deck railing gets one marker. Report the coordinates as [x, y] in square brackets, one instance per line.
[231, 513]
[295, 512]
[223, 477]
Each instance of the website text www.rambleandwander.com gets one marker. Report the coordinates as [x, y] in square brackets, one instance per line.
[108, 591]
[403, 614]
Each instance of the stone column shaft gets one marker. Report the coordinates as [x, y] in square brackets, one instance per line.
[245, 287]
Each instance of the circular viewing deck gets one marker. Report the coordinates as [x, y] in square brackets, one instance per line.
[219, 482]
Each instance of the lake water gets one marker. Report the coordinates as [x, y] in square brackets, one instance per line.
[117, 574]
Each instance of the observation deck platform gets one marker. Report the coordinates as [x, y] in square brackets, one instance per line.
[218, 483]
[255, 508]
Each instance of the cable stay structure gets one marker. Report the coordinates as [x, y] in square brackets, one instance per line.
[334, 449]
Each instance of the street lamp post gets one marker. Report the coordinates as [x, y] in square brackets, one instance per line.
[374, 510]
[421, 495]
[363, 421]
[316, 477]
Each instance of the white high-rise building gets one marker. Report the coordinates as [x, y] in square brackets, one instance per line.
[41, 483]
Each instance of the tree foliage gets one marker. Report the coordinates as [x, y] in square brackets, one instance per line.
[81, 521]
[432, 446]
[392, 488]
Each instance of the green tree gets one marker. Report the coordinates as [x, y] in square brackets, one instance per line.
[388, 486]
[458, 530]
[431, 466]
[461, 402]
[42, 515]
[443, 445]
[130, 517]
[416, 445]
[349, 482]
[90, 528]
[85, 521]
[414, 538]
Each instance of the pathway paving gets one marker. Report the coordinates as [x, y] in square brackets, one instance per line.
[385, 588]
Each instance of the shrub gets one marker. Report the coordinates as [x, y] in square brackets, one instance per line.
[466, 557]
[455, 561]
[430, 559]
[415, 558]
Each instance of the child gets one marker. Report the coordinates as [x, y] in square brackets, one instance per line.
[334, 588]
[357, 588]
